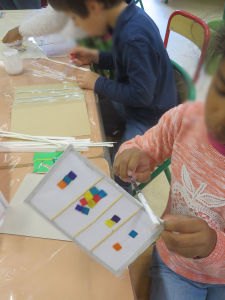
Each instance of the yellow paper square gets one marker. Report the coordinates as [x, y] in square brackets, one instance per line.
[110, 223]
[91, 203]
[88, 196]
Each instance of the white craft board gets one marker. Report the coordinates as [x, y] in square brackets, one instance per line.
[21, 219]
[61, 204]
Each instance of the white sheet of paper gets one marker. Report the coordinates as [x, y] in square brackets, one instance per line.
[21, 219]
[55, 44]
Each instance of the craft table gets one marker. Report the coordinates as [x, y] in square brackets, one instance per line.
[8, 83]
[35, 268]
[42, 268]
[14, 166]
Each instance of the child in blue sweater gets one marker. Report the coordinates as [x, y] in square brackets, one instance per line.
[144, 87]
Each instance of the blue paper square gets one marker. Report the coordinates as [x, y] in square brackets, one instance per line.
[72, 175]
[67, 179]
[115, 218]
[133, 234]
[94, 190]
[102, 194]
[78, 207]
[85, 210]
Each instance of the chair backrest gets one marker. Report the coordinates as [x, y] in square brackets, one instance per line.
[185, 86]
[186, 91]
[192, 28]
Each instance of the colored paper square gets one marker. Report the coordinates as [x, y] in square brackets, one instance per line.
[102, 194]
[96, 198]
[67, 179]
[94, 190]
[83, 202]
[78, 207]
[115, 218]
[62, 184]
[72, 175]
[110, 223]
[91, 203]
[88, 196]
[85, 210]
[117, 247]
[43, 161]
[133, 233]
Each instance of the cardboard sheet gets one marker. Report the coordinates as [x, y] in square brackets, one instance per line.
[21, 219]
[56, 110]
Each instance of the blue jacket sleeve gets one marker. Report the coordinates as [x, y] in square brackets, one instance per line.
[106, 61]
[141, 66]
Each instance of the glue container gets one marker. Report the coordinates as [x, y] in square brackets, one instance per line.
[13, 62]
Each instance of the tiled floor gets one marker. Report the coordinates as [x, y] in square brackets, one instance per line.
[186, 54]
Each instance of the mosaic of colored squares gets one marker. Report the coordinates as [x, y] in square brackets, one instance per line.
[89, 201]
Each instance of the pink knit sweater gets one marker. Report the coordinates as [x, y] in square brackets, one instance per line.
[197, 187]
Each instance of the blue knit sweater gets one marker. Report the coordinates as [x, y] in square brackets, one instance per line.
[144, 82]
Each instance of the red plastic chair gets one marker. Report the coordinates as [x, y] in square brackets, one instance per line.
[194, 29]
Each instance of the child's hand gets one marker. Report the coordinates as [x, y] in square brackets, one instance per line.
[12, 35]
[84, 56]
[132, 162]
[86, 79]
[189, 236]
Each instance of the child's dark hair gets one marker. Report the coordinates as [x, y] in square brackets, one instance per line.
[80, 6]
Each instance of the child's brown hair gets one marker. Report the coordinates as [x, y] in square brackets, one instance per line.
[80, 6]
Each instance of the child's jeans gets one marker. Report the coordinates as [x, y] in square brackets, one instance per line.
[167, 285]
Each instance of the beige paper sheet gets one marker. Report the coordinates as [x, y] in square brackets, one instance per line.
[55, 117]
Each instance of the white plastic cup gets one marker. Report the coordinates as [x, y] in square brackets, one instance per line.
[12, 62]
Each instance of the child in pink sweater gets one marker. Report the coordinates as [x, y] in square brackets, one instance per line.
[189, 259]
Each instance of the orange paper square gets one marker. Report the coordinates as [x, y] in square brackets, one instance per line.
[62, 184]
[117, 247]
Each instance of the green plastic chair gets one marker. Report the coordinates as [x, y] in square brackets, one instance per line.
[185, 85]
[186, 91]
